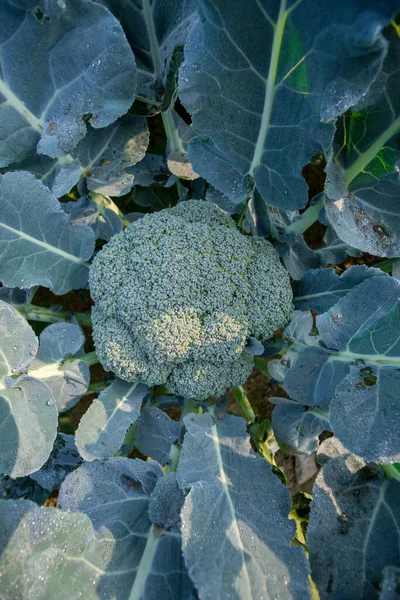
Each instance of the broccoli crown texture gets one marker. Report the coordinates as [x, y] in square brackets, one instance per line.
[178, 294]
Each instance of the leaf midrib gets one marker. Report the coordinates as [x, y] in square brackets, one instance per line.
[270, 87]
[48, 247]
[224, 484]
[20, 107]
[368, 156]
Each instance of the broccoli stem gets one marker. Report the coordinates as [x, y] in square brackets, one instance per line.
[248, 413]
[49, 315]
[189, 406]
[391, 471]
[171, 131]
[385, 265]
[244, 404]
[90, 359]
[308, 217]
[96, 387]
[174, 456]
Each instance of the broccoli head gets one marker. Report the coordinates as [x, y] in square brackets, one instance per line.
[177, 296]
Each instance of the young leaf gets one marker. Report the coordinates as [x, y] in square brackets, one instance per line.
[242, 547]
[155, 433]
[72, 62]
[64, 459]
[296, 428]
[102, 428]
[146, 559]
[178, 136]
[38, 246]
[22, 488]
[155, 29]
[104, 222]
[258, 77]
[362, 187]
[166, 503]
[102, 158]
[69, 380]
[353, 531]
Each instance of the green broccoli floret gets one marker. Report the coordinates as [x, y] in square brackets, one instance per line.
[177, 296]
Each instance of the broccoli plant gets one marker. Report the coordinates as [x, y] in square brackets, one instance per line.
[199, 300]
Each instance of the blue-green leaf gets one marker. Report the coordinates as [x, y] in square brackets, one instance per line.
[354, 372]
[22, 488]
[28, 419]
[101, 158]
[104, 222]
[242, 548]
[259, 76]
[155, 30]
[296, 428]
[155, 433]
[67, 379]
[363, 187]
[49, 553]
[38, 246]
[320, 289]
[146, 561]
[18, 343]
[102, 428]
[64, 459]
[166, 503]
[353, 532]
[73, 62]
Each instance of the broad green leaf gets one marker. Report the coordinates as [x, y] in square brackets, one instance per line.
[354, 372]
[152, 169]
[363, 187]
[64, 459]
[18, 343]
[155, 433]
[296, 427]
[101, 158]
[38, 246]
[390, 583]
[235, 527]
[320, 289]
[67, 379]
[59, 65]
[104, 222]
[353, 533]
[166, 502]
[28, 422]
[48, 553]
[103, 427]
[146, 562]
[156, 31]
[22, 488]
[260, 76]
[17, 296]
